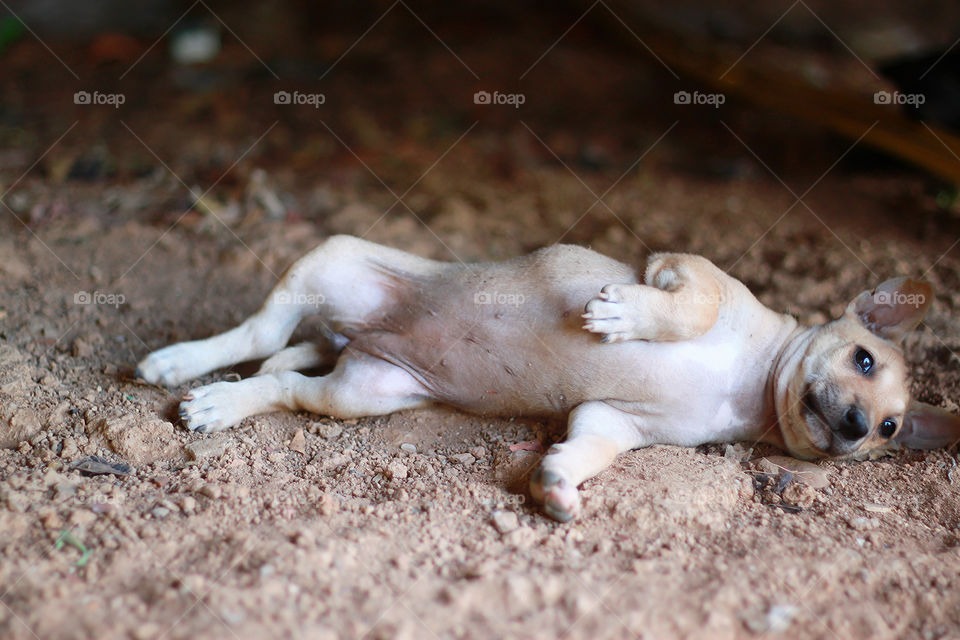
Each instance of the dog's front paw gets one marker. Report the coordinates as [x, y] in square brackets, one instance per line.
[608, 315]
[171, 366]
[214, 407]
[560, 500]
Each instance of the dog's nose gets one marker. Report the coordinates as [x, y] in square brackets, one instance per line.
[853, 425]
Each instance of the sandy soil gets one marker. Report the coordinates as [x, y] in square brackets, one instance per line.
[303, 526]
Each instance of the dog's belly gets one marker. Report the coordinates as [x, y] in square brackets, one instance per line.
[507, 339]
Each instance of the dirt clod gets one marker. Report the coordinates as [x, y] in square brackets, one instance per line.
[504, 521]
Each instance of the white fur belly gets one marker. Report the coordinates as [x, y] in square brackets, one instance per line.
[699, 391]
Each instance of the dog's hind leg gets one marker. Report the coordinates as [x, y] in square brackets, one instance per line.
[338, 281]
[360, 385]
[306, 355]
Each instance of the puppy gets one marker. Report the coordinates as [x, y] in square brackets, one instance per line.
[688, 357]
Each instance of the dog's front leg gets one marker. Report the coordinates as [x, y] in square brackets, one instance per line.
[597, 433]
[680, 301]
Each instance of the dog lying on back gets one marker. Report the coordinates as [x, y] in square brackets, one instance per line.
[687, 357]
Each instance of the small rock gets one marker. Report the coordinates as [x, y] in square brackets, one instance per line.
[304, 538]
[51, 521]
[736, 452]
[266, 570]
[328, 504]
[188, 504]
[160, 512]
[82, 348]
[298, 442]
[876, 508]
[233, 617]
[408, 447]
[147, 631]
[17, 502]
[207, 447]
[396, 470]
[776, 619]
[328, 430]
[800, 495]
[69, 448]
[211, 491]
[863, 524]
[466, 459]
[504, 521]
[22, 425]
[478, 452]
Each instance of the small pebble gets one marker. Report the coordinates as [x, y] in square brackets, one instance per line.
[328, 430]
[504, 521]
[299, 442]
[863, 524]
[160, 512]
[396, 470]
[211, 491]
[800, 495]
[304, 538]
[328, 504]
[52, 521]
[408, 447]
[147, 631]
[776, 619]
[466, 459]
[69, 449]
[207, 447]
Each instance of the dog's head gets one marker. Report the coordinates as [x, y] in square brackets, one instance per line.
[842, 387]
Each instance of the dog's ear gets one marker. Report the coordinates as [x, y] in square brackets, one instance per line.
[928, 427]
[894, 308]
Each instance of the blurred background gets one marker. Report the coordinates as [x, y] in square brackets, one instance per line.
[274, 110]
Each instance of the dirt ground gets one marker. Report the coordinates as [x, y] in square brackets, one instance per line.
[417, 525]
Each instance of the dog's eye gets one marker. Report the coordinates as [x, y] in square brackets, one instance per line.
[863, 360]
[887, 428]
